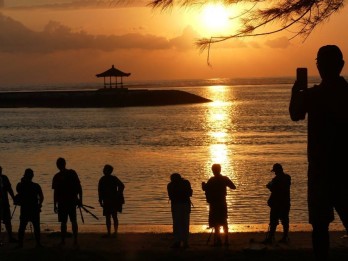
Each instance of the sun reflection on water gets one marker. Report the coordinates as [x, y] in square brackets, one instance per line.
[219, 122]
[218, 153]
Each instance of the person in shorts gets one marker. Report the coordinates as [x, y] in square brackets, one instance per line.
[67, 197]
[215, 192]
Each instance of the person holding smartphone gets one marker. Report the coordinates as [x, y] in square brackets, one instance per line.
[326, 108]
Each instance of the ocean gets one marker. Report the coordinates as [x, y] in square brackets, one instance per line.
[246, 128]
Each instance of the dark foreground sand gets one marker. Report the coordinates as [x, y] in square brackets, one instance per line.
[156, 246]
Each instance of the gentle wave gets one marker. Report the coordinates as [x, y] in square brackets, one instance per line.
[246, 128]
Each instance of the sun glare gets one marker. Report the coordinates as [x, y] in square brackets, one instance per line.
[215, 17]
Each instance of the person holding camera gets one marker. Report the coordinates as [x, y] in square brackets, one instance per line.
[215, 192]
[279, 202]
[67, 196]
[29, 198]
[326, 108]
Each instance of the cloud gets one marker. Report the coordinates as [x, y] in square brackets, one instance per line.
[281, 42]
[16, 38]
[78, 4]
[186, 40]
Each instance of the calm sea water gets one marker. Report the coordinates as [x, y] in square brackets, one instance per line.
[246, 129]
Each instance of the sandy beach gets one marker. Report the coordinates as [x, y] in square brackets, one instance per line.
[156, 246]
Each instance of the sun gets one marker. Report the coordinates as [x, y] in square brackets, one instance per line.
[215, 18]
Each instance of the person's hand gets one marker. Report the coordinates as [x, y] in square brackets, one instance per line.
[101, 204]
[55, 209]
[79, 203]
[203, 185]
[297, 87]
[269, 185]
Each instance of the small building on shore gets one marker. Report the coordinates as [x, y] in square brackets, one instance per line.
[112, 76]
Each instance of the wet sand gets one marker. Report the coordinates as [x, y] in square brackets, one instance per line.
[156, 246]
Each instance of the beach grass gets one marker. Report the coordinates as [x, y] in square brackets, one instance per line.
[156, 246]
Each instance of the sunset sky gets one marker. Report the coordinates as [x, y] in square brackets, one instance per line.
[65, 41]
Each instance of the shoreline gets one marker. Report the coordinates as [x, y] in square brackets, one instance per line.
[156, 246]
[194, 229]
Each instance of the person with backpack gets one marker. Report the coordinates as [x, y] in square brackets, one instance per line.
[111, 199]
[279, 203]
[179, 192]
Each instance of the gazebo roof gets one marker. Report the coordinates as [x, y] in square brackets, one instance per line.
[113, 72]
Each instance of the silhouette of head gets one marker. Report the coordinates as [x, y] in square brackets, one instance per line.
[329, 62]
[108, 169]
[175, 177]
[277, 168]
[28, 174]
[216, 168]
[61, 163]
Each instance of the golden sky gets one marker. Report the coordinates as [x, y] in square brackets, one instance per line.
[62, 41]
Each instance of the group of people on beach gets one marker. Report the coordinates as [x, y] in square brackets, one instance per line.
[326, 107]
[67, 198]
[180, 191]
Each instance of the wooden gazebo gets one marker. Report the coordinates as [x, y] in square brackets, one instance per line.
[113, 73]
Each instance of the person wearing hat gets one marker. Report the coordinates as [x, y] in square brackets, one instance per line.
[30, 198]
[279, 202]
[326, 108]
[179, 192]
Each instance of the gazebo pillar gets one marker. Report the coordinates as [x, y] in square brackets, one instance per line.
[113, 72]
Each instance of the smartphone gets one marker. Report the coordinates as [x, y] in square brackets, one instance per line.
[302, 77]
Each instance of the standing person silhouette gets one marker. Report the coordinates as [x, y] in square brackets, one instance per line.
[5, 212]
[279, 202]
[326, 107]
[179, 192]
[215, 191]
[110, 192]
[66, 197]
[31, 198]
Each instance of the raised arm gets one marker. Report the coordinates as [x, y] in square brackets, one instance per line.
[230, 184]
[297, 107]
